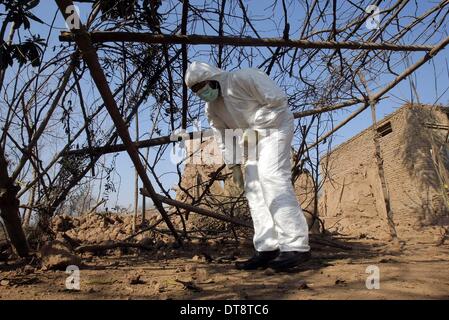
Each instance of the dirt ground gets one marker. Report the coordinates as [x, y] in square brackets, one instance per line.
[205, 271]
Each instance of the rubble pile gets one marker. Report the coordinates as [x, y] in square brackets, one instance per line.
[97, 228]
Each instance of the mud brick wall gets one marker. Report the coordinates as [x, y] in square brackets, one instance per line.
[352, 200]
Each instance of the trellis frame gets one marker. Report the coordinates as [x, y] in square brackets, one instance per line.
[85, 40]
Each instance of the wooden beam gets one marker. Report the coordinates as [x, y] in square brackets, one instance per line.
[185, 93]
[380, 163]
[112, 36]
[199, 210]
[138, 144]
[436, 126]
[167, 139]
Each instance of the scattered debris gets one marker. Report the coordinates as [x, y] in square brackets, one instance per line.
[207, 257]
[190, 267]
[18, 281]
[269, 272]
[198, 258]
[226, 258]
[302, 285]
[4, 283]
[179, 270]
[340, 282]
[243, 295]
[190, 285]
[107, 245]
[157, 287]
[202, 276]
[388, 260]
[135, 279]
[28, 269]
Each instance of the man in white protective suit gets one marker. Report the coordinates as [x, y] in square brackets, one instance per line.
[248, 99]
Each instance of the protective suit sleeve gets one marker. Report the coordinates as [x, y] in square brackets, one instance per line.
[218, 128]
[259, 86]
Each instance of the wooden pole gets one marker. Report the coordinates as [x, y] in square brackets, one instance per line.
[199, 210]
[185, 12]
[111, 36]
[380, 163]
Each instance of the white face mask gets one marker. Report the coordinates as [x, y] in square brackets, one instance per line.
[207, 93]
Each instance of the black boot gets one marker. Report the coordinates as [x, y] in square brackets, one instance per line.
[259, 260]
[289, 259]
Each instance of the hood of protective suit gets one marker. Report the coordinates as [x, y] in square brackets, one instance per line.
[201, 71]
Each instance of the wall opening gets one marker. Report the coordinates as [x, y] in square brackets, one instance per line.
[385, 129]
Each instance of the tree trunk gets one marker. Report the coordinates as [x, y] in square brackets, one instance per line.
[9, 209]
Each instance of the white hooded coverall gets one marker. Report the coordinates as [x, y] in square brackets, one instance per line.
[251, 100]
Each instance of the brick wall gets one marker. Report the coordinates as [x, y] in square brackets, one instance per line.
[352, 200]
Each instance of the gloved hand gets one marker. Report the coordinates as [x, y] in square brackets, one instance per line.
[237, 175]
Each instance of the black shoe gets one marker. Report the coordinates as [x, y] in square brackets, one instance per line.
[259, 260]
[289, 259]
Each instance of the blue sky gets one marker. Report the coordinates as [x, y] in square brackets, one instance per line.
[425, 79]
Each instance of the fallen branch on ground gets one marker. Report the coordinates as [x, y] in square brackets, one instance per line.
[110, 245]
